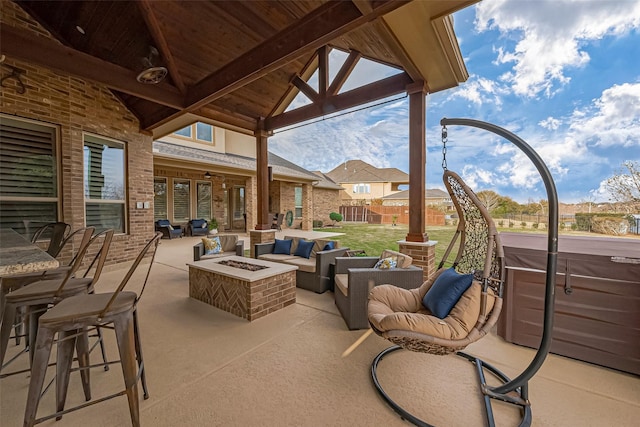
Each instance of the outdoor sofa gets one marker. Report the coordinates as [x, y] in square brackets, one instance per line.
[313, 259]
[230, 245]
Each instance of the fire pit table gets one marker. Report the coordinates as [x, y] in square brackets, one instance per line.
[247, 287]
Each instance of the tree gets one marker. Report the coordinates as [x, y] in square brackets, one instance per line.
[625, 185]
[490, 199]
[335, 217]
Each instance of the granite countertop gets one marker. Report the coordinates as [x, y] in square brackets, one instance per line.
[18, 255]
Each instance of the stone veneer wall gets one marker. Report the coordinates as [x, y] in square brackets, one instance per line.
[78, 106]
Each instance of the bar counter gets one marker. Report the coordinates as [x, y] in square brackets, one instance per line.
[18, 255]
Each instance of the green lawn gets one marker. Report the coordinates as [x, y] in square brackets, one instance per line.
[374, 238]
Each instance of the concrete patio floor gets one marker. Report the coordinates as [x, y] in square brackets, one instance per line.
[206, 367]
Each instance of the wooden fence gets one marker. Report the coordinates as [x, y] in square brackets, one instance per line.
[386, 214]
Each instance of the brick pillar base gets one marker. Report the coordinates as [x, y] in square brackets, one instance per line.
[260, 236]
[423, 254]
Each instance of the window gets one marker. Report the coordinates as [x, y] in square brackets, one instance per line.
[186, 132]
[202, 132]
[29, 178]
[298, 201]
[361, 188]
[181, 211]
[160, 199]
[203, 202]
[104, 183]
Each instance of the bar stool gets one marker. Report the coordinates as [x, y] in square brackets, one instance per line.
[71, 319]
[17, 281]
[35, 298]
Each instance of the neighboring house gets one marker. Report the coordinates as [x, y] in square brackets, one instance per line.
[433, 197]
[202, 171]
[362, 182]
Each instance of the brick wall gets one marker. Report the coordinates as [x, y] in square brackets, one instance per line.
[324, 202]
[78, 106]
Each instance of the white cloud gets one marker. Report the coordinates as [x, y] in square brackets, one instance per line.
[479, 90]
[549, 35]
[550, 123]
[612, 120]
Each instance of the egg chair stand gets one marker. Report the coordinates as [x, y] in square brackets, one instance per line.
[511, 391]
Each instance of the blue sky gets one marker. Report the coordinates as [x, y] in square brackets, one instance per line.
[562, 75]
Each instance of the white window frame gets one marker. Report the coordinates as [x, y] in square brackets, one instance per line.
[361, 188]
[193, 133]
[123, 201]
[166, 196]
[55, 145]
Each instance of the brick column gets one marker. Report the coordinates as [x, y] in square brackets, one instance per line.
[423, 254]
[260, 236]
[307, 207]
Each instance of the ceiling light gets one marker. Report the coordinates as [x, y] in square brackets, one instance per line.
[207, 175]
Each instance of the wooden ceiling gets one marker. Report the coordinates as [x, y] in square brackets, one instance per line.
[237, 63]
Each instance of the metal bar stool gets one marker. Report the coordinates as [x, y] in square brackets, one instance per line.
[70, 319]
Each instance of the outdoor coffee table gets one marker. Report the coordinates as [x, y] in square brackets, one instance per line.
[228, 284]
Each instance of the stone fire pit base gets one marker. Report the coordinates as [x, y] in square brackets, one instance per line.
[247, 294]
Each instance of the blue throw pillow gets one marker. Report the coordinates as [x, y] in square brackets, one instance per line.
[330, 245]
[282, 247]
[446, 291]
[304, 248]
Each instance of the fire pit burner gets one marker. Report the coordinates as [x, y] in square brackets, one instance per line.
[243, 265]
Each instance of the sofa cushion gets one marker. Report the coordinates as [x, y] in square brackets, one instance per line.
[218, 255]
[304, 264]
[446, 291]
[282, 247]
[228, 242]
[391, 308]
[275, 257]
[211, 246]
[304, 248]
[342, 283]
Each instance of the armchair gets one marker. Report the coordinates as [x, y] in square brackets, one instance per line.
[355, 276]
[197, 227]
[167, 229]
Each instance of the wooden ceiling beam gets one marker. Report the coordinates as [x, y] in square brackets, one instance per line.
[329, 21]
[306, 89]
[344, 73]
[377, 90]
[153, 25]
[291, 92]
[51, 54]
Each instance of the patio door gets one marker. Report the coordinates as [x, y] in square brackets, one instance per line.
[237, 208]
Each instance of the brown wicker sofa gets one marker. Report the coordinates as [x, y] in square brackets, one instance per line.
[313, 272]
[230, 243]
[354, 276]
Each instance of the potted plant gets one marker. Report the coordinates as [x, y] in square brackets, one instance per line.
[213, 226]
